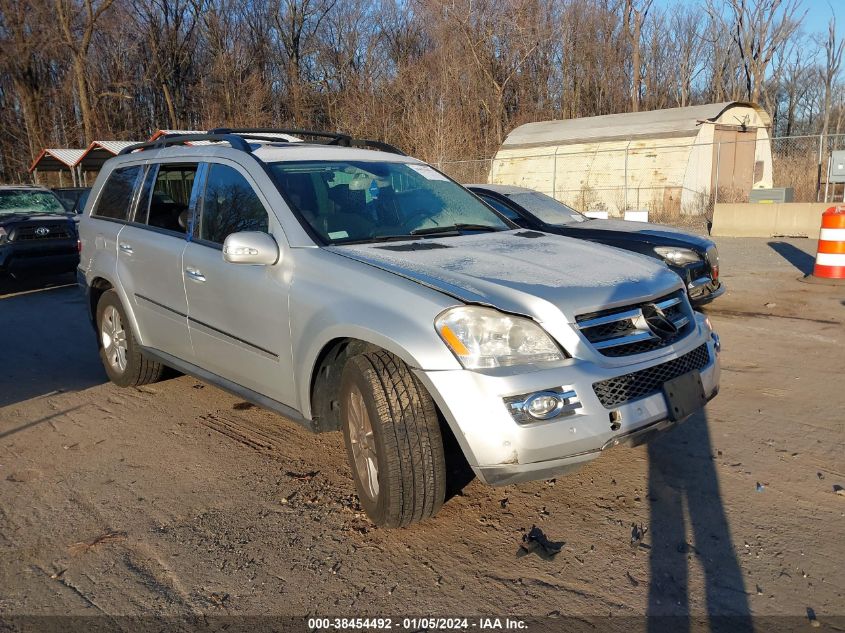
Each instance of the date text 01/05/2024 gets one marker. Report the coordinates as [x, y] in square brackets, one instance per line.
[415, 624]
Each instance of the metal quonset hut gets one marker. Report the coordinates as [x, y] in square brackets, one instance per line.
[667, 161]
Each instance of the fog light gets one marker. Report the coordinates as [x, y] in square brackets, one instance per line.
[542, 405]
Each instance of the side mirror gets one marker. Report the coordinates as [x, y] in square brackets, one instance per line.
[250, 247]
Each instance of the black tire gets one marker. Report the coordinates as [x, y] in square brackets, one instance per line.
[409, 447]
[139, 369]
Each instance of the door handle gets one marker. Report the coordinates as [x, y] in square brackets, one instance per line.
[195, 274]
[126, 248]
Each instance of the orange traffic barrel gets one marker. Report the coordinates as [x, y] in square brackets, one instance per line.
[830, 259]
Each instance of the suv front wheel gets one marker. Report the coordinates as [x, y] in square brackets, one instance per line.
[122, 357]
[393, 440]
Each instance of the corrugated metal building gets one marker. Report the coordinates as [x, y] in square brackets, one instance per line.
[667, 161]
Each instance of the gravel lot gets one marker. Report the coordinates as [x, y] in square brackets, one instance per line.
[178, 499]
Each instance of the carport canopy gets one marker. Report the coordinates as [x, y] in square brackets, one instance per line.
[56, 159]
[98, 152]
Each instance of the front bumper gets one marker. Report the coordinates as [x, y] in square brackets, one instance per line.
[704, 290]
[36, 257]
[699, 282]
[501, 451]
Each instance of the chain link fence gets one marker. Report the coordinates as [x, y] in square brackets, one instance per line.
[672, 181]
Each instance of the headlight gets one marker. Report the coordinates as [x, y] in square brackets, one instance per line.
[678, 256]
[484, 337]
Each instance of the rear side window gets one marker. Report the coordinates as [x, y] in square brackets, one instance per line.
[230, 205]
[116, 196]
[165, 200]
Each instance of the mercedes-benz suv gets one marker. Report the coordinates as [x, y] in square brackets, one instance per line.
[350, 287]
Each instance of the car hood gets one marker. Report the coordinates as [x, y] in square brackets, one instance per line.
[523, 272]
[17, 218]
[622, 229]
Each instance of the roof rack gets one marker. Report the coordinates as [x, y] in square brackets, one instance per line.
[166, 140]
[236, 137]
[328, 138]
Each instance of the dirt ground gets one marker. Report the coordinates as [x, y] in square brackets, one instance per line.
[178, 499]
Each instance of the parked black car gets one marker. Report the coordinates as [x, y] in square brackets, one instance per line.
[37, 235]
[693, 257]
[73, 198]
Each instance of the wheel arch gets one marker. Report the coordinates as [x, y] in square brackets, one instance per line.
[318, 395]
[97, 286]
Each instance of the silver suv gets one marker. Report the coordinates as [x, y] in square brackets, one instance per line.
[350, 287]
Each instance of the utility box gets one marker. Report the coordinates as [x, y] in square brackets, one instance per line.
[836, 173]
[771, 196]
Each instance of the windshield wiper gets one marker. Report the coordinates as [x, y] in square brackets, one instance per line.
[379, 238]
[456, 229]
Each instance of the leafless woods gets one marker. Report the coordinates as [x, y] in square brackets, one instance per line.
[443, 79]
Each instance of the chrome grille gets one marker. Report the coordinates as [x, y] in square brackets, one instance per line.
[622, 389]
[37, 232]
[626, 331]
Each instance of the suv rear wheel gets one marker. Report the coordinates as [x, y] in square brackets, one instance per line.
[122, 357]
[393, 440]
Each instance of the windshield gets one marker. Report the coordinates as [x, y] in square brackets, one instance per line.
[546, 208]
[363, 201]
[25, 201]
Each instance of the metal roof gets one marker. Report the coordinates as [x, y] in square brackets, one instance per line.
[159, 133]
[56, 158]
[112, 146]
[98, 152]
[672, 122]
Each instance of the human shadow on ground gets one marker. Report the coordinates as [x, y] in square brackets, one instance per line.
[684, 495]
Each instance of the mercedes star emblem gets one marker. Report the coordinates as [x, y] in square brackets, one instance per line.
[658, 322]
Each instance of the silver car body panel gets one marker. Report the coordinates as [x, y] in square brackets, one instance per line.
[263, 328]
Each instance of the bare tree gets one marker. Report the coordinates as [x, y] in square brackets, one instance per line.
[78, 23]
[686, 43]
[833, 63]
[22, 38]
[635, 15]
[758, 29]
[441, 78]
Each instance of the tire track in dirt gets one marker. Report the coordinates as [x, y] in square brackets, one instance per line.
[244, 432]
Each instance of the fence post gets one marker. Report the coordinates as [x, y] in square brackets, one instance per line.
[625, 182]
[826, 179]
[718, 156]
[819, 174]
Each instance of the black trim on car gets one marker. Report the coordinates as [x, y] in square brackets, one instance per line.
[202, 324]
[233, 387]
[233, 337]
[161, 305]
